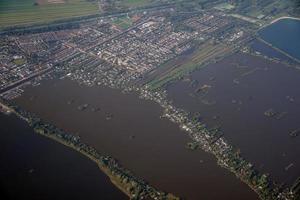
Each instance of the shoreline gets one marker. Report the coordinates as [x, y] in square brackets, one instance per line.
[101, 167]
[123, 179]
[283, 17]
[269, 23]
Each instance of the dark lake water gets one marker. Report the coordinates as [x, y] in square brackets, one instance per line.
[285, 35]
[153, 148]
[240, 89]
[35, 167]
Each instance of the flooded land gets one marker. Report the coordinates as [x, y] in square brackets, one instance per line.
[255, 103]
[130, 130]
[173, 100]
[34, 167]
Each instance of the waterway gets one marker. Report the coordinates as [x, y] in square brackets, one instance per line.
[285, 35]
[235, 94]
[153, 148]
[35, 167]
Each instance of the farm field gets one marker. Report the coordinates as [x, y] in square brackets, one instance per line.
[24, 12]
[136, 3]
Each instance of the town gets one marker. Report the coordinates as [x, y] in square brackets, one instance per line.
[102, 51]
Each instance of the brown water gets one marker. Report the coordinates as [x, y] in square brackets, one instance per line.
[34, 167]
[153, 148]
[242, 95]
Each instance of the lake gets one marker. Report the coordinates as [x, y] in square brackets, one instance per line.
[35, 167]
[152, 148]
[266, 50]
[285, 35]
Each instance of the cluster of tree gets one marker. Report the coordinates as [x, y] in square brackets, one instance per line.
[297, 6]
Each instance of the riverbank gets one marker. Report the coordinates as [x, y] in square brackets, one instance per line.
[122, 178]
[119, 182]
[36, 167]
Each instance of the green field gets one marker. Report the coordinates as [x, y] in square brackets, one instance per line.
[123, 22]
[137, 3]
[23, 12]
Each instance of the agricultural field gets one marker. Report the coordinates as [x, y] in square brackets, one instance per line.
[24, 12]
[136, 3]
[185, 64]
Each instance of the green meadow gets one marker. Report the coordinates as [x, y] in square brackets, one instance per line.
[25, 12]
[136, 3]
